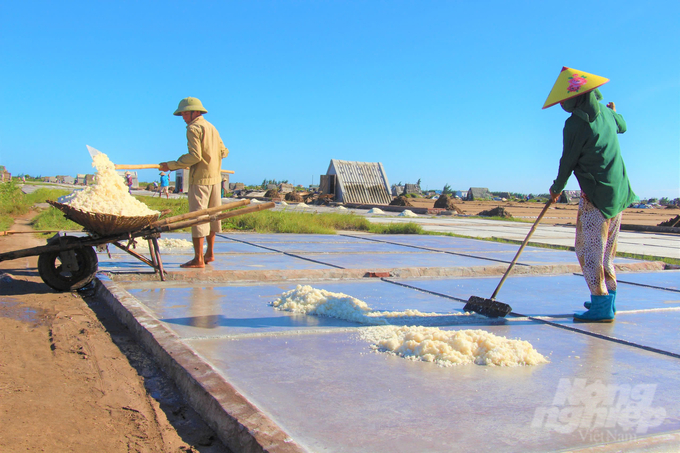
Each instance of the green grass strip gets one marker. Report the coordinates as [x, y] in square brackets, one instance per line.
[53, 219]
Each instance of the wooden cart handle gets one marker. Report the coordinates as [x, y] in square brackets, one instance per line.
[202, 212]
[214, 217]
[148, 166]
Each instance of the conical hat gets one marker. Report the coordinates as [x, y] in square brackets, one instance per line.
[571, 83]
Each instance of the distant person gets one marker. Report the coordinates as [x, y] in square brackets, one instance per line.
[591, 151]
[204, 160]
[155, 187]
[165, 184]
[128, 181]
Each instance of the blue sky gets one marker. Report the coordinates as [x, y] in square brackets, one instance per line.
[445, 92]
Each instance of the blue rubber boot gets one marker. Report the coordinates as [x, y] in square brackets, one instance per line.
[601, 310]
[611, 293]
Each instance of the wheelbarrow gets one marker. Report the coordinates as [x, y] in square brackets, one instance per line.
[68, 263]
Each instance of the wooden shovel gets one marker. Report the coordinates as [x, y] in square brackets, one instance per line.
[147, 166]
[93, 152]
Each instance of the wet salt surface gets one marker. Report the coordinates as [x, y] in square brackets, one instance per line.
[280, 359]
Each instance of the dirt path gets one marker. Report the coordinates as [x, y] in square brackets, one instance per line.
[71, 378]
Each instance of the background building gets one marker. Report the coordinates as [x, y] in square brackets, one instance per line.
[356, 182]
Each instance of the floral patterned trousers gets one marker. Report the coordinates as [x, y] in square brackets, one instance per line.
[595, 246]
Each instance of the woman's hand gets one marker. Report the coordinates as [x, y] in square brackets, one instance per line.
[554, 196]
[612, 106]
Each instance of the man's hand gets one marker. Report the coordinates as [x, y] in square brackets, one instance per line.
[612, 106]
[163, 166]
[554, 196]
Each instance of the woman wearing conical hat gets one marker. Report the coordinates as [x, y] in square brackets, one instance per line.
[591, 151]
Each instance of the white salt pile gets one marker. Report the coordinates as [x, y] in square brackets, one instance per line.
[301, 205]
[407, 213]
[283, 203]
[109, 194]
[312, 301]
[429, 344]
[375, 211]
[167, 244]
[452, 347]
[255, 201]
[342, 208]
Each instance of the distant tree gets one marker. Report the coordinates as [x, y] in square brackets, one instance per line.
[418, 183]
[653, 200]
[447, 190]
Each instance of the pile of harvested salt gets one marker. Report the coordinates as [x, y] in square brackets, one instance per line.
[407, 213]
[429, 344]
[312, 301]
[342, 208]
[109, 194]
[167, 244]
[301, 205]
[376, 211]
[452, 347]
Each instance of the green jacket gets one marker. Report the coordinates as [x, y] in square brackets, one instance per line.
[591, 151]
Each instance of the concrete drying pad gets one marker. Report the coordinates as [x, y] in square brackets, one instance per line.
[331, 393]
[268, 380]
[550, 295]
[669, 280]
[496, 251]
[650, 244]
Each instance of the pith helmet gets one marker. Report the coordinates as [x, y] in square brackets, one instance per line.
[571, 83]
[189, 105]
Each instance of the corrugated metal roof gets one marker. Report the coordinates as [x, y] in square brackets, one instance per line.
[360, 182]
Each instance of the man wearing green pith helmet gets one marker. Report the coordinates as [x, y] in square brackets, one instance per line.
[204, 161]
[591, 151]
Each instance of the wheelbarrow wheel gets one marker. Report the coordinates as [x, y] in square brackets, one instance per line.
[56, 275]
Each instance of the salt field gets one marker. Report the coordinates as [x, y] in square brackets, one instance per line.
[359, 343]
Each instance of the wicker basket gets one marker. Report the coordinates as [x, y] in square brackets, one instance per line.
[104, 224]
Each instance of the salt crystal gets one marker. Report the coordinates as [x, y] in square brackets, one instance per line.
[109, 194]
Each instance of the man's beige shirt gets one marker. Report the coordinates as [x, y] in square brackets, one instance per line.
[206, 151]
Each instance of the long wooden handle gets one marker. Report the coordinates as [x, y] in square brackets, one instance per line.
[202, 212]
[214, 217]
[8, 232]
[147, 166]
[533, 228]
[136, 167]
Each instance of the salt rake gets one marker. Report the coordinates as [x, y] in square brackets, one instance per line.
[491, 307]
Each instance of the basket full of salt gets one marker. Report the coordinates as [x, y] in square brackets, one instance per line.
[105, 224]
[107, 207]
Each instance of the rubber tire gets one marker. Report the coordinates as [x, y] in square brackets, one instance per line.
[50, 270]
